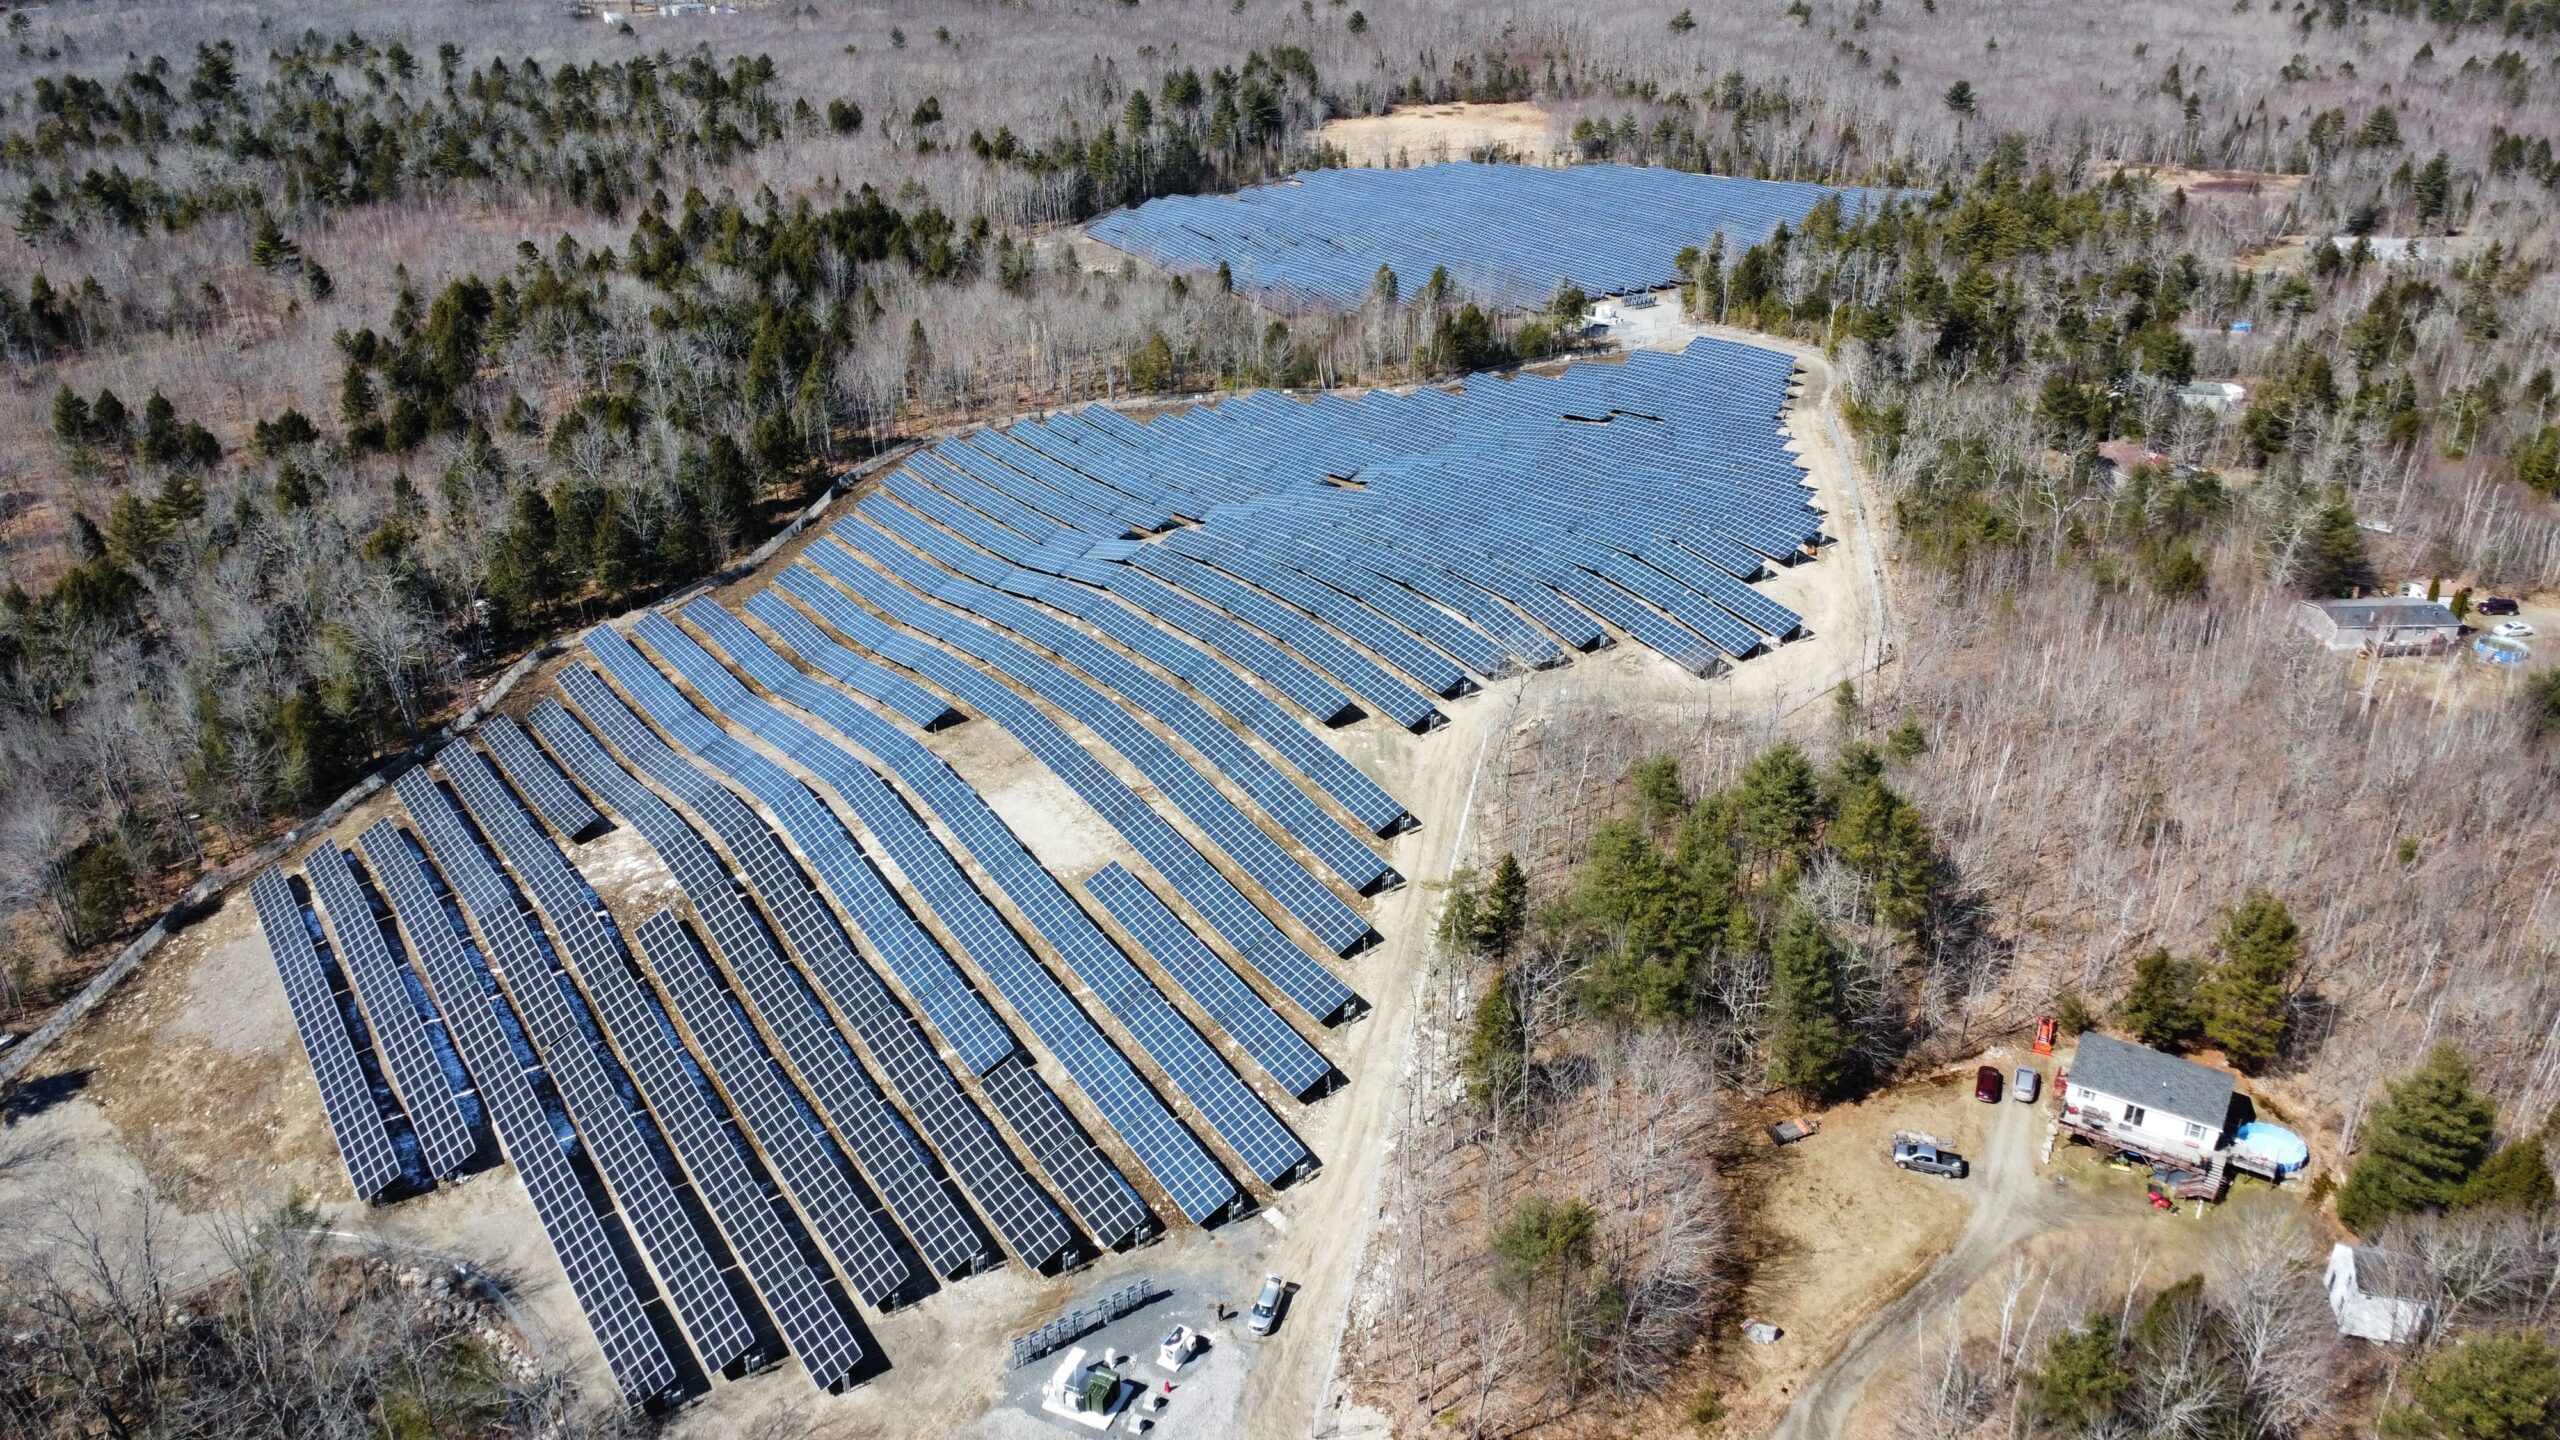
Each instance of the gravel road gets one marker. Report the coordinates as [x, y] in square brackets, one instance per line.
[2011, 1201]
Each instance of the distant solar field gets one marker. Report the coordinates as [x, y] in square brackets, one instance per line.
[870, 1081]
[1509, 235]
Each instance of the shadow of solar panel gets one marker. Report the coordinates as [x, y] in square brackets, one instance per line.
[792, 1141]
[1140, 690]
[1279, 874]
[1168, 1152]
[712, 1322]
[1329, 771]
[393, 1013]
[1092, 1188]
[346, 1099]
[725, 1179]
[724, 1171]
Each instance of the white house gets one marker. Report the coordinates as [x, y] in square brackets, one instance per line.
[2378, 1295]
[2143, 1100]
[2383, 626]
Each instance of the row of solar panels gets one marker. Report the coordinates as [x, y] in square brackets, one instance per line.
[1508, 235]
[1003, 572]
[823, 1132]
[1391, 548]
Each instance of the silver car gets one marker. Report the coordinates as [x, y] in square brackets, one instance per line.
[2029, 1081]
[1266, 1306]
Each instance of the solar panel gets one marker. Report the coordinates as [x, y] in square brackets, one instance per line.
[708, 1313]
[1081, 1174]
[1168, 1152]
[604, 1292]
[793, 1141]
[345, 1097]
[825, 1066]
[396, 1012]
[1281, 1052]
[1229, 1105]
[1274, 869]
[1139, 689]
[757, 1220]
[691, 1111]
[1029, 1224]
[537, 779]
[1507, 235]
[939, 990]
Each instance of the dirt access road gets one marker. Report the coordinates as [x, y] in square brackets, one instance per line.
[2011, 1201]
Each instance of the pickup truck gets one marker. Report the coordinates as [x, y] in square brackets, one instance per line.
[1925, 1157]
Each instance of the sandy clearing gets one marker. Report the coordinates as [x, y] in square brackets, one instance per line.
[1429, 134]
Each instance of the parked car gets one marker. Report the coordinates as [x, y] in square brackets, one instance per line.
[1266, 1306]
[2511, 630]
[1986, 1085]
[2414, 590]
[2029, 1081]
[2496, 605]
[1928, 1159]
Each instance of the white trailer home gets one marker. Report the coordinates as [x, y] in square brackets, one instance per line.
[2136, 1099]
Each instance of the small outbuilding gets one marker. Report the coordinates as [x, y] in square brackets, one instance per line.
[2217, 397]
[2385, 626]
[2379, 1295]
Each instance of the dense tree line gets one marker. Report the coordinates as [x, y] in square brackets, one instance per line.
[348, 122]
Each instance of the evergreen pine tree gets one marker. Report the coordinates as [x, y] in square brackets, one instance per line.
[1504, 910]
[2517, 1177]
[1780, 800]
[2083, 1379]
[2160, 1008]
[2333, 560]
[70, 417]
[269, 250]
[2420, 1144]
[1497, 1057]
[1882, 837]
[2489, 1387]
[2243, 1000]
[1811, 1047]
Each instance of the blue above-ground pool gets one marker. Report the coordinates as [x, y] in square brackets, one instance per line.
[2275, 1144]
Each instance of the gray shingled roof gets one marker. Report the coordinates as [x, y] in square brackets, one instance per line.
[2388, 611]
[2390, 1275]
[2146, 1077]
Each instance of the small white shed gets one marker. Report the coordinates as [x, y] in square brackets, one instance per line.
[2379, 1295]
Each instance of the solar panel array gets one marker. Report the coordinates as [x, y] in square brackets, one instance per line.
[615, 1142]
[1030, 1225]
[808, 1067]
[614, 1310]
[398, 1016]
[346, 1095]
[1509, 235]
[794, 1079]
[728, 1171]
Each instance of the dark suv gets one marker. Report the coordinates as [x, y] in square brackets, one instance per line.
[1987, 1085]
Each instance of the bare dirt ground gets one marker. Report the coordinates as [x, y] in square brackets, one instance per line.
[2074, 1216]
[2278, 184]
[1429, 134]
